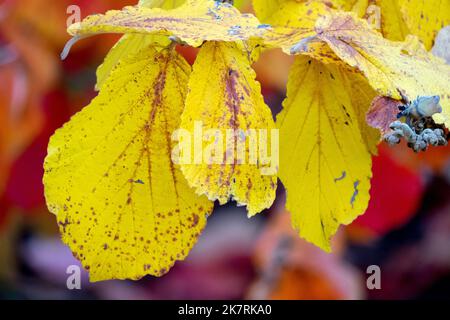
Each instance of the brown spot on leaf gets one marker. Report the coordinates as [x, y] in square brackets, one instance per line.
[195, 221]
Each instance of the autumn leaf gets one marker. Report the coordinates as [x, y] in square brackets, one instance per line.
[130, 202]
[362, 95]
[223, 96]
[394, 69]
[128, 45]
[290, 13]
[400, 18]
[264, 9]
[122, 206]
[194, 22]
[295, 13]
[293, 25]
[325, 159]
[131, 44]
[164, 4]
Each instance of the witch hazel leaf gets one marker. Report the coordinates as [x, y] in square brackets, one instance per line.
[194, 22]
[123, 207]
[295, 13]
[172, 4]
[325, 163]
[362, 96]
[423, 18]
[128, 45]
[131, 44]
[396, 19]
[235, 153]
[387, 17]
[264, 9]
[291, 13]
[394, 69]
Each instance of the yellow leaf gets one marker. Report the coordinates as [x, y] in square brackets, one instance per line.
[362, 96]
[264, 9]
[400, 18]
[293, 13]
[391, 67]
[425, 18]
[131, 44]
[392, 21]
[384, 16]
[293, 23]
[290, 20]
[122, 206]
[325, 164]
[128, 45]
[224, 95]
[194, 22]
[358, 6]
[164, 4]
